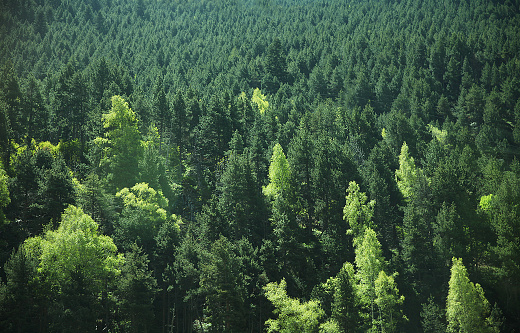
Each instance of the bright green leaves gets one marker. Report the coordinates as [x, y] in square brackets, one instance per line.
[260, 101]
[145, 198]
[293, 315]
[119, 118]
[369, 262]
[121, 145]
[4, 192]
[437, 133]
[486, 202]
[376, 290]
[467, 308]
[357, 212]
[389, 302]
[279, 174]
[407, 172]
[77, 268]
[143, 216]
[76, 247]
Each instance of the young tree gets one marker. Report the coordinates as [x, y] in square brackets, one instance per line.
[388, 302]
[280, 174]
[122, 147]
[369, 263]
[357, 212]
[293, 315]
[77, 268]
[407, 173]
[432, 317]
[467, 309]
[376, 290]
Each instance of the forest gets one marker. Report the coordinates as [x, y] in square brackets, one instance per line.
[260, 166]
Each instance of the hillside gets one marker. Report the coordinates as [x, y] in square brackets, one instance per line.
[259, 165]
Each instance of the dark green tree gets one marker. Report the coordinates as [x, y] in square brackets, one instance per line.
[136, 289]
[222, 283]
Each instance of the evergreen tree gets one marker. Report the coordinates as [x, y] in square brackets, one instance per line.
[20, 303]
[222, 283]
[136, 289]
[345, 305]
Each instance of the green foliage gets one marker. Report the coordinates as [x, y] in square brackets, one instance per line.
[345, 306]
[222, 281]
[76, 268]
[293, 315]
[143, 215]
[407, 173]
[279, 175]
[357, 212]
[377, 291]
[486, 202]
[340, 90]
[19, 299]
[4, 193]
[369, 263]
[121, 145]
[432, 317]
[136, 289]
[467, 309]
[260, 101]
[389, 302]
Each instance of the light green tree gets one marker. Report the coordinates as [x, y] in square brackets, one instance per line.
[260, 101]
[144, 213]
[4, 193]
[369, 263]
[467, 309]
[279, 174]
[121, 145]
[357, 212]
[389, 302]
[377, 291]
[407, 172]
[76, 269]
[292, 314]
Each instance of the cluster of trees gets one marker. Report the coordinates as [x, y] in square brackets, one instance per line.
[283, 165]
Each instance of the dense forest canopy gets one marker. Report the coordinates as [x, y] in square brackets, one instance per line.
[259, 165]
